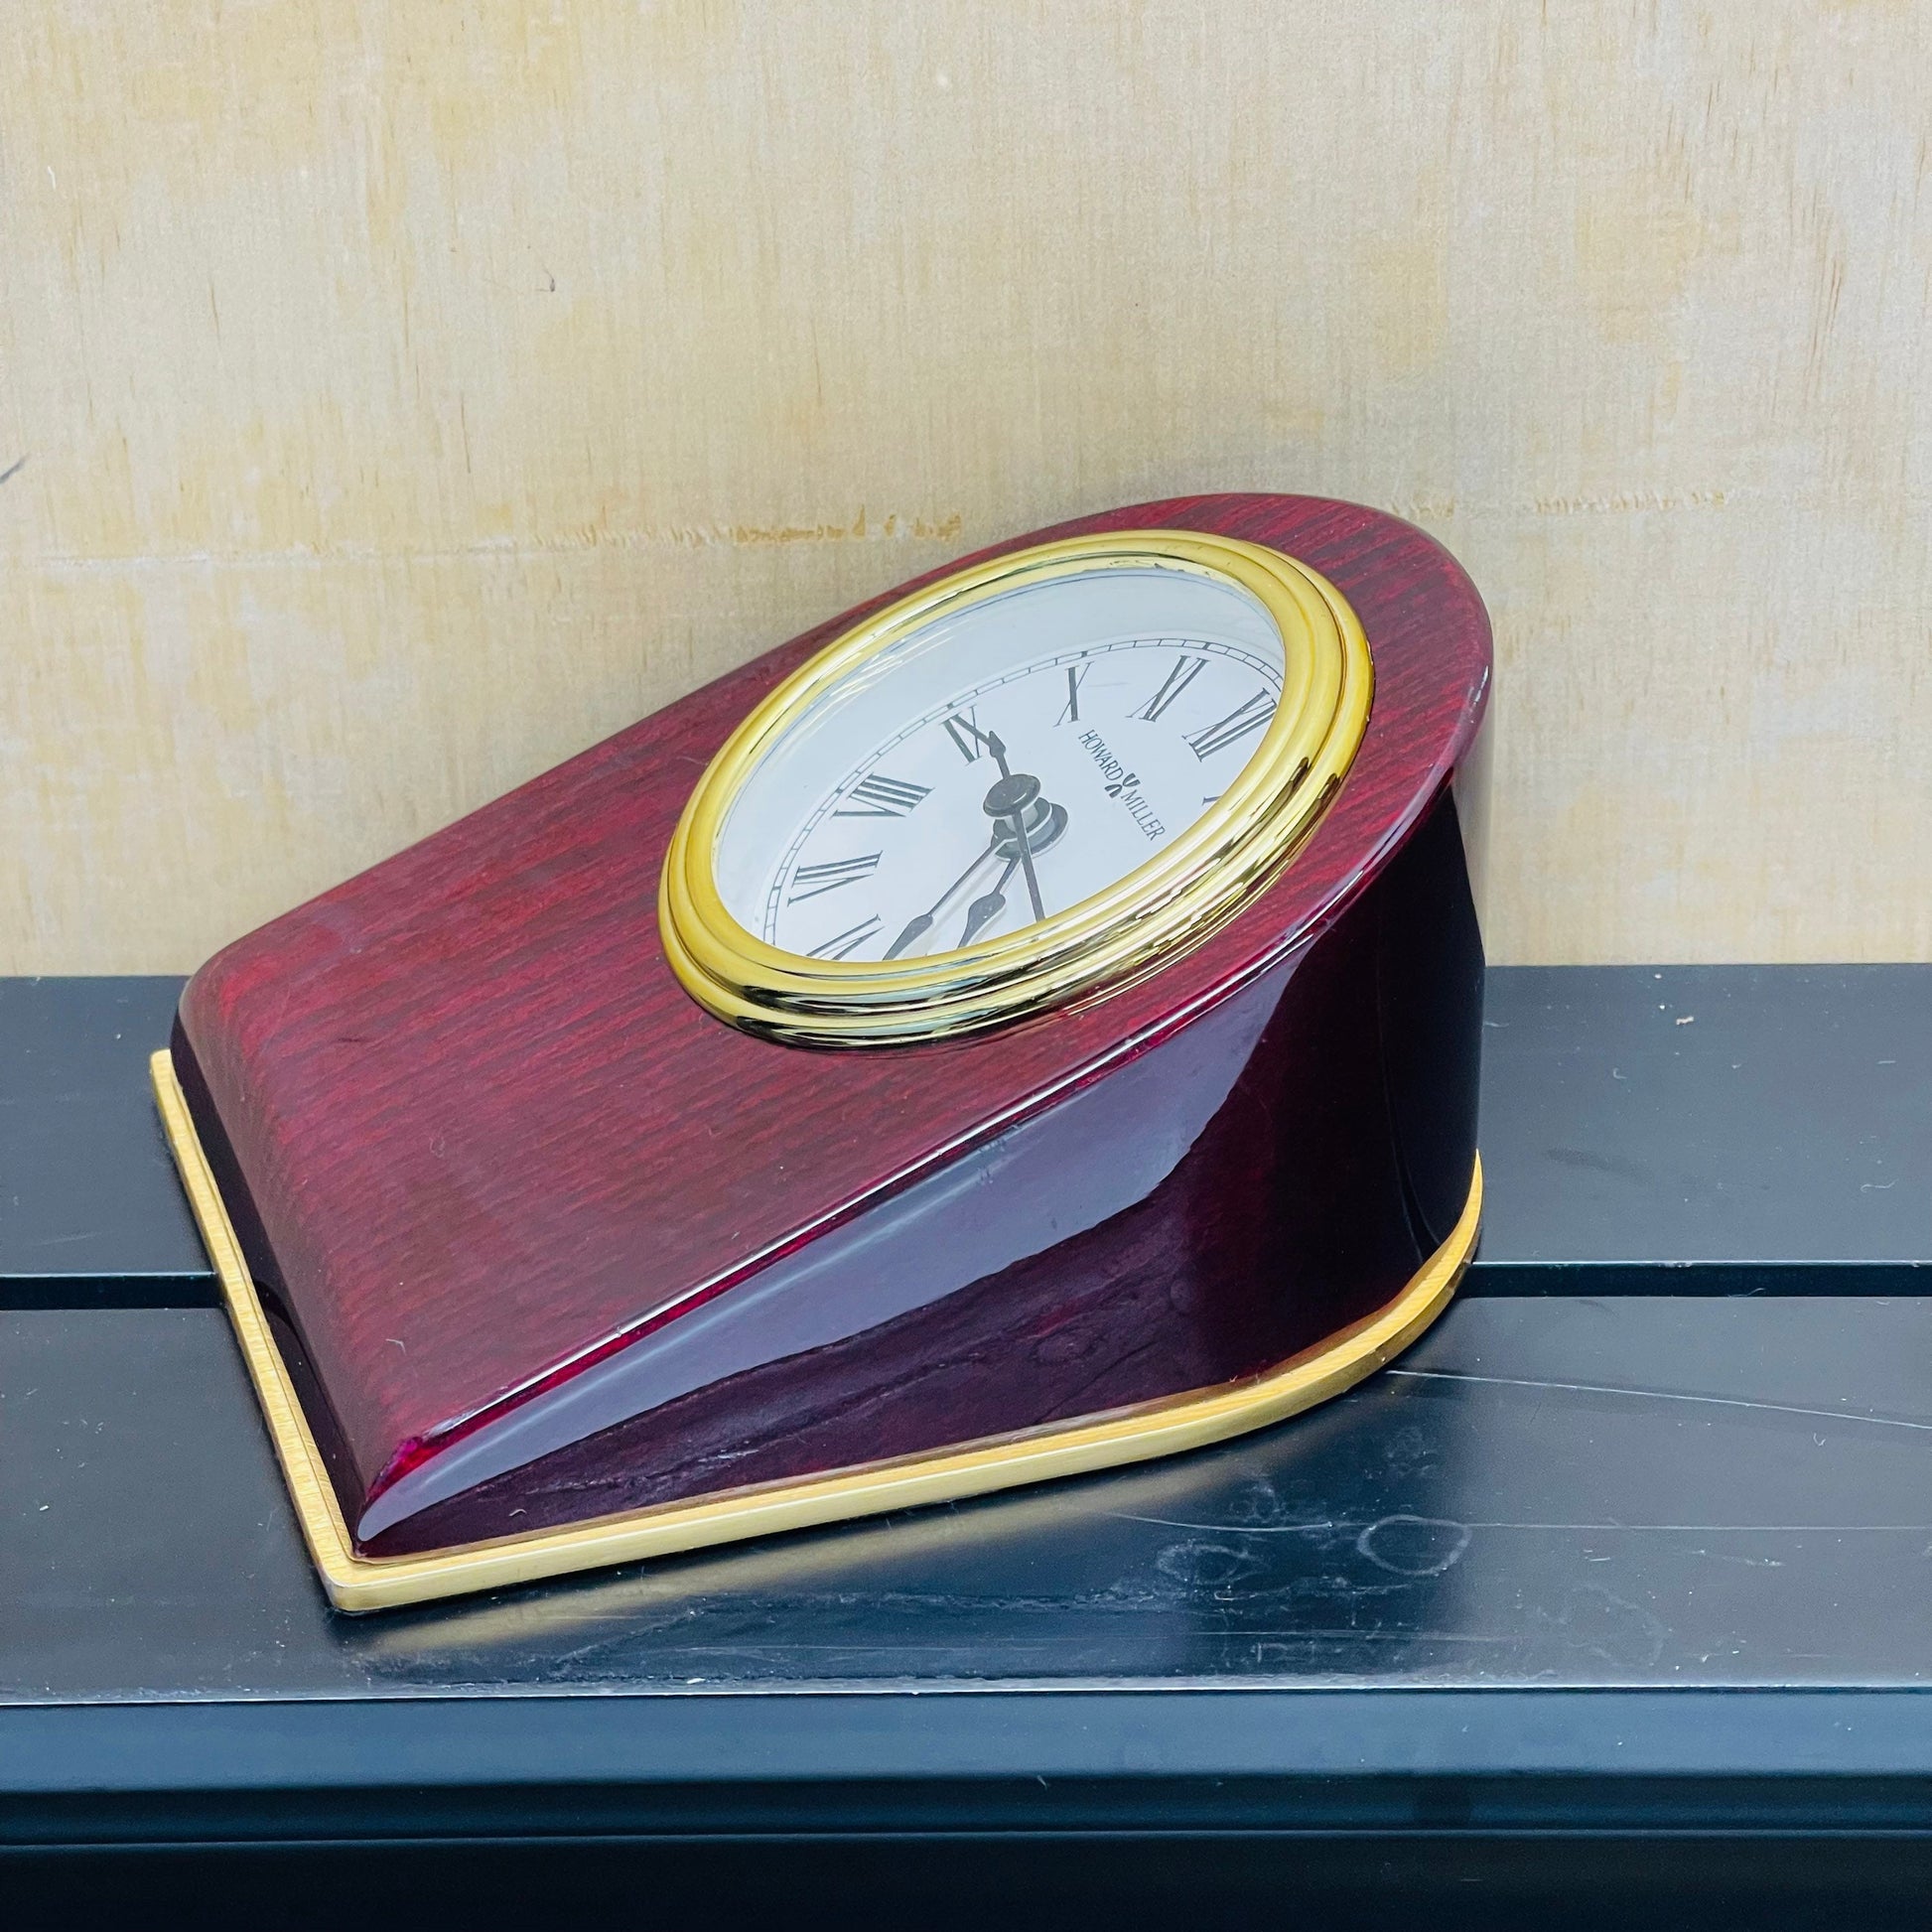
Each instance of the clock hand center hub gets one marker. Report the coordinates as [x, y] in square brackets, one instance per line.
[1025, 822]
[1013, 793]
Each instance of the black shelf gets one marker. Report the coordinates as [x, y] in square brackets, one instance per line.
[1618, 1580]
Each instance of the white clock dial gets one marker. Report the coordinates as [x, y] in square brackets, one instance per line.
[1000, 765]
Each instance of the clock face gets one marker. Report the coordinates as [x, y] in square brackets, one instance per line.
[1001, 763]
[1017, 787]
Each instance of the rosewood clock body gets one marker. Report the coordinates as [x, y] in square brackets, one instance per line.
[541, 1243]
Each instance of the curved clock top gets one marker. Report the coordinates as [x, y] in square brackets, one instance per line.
[1025, 781]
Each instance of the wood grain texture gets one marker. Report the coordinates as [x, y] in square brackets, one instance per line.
[404, 397]
[1336, 1162]
[477, 1139]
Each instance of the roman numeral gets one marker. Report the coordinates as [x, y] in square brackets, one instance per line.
[881, 798]
[841, 943]
[1185, 672]
[830, 874]
[1246, 718]
[963, 729]
[1074, 673]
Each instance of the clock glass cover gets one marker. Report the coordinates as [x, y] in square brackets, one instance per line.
[972, 805]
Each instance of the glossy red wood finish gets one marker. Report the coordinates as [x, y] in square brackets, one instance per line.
[478, 1142]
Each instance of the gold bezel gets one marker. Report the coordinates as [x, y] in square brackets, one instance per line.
[1060, 1449]
[1181, 895]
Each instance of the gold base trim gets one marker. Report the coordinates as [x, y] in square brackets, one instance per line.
[1132, 1435]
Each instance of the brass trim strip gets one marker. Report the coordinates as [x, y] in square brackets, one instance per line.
[1132, 1435]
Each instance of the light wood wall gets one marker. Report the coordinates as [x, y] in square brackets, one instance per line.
[398, 396]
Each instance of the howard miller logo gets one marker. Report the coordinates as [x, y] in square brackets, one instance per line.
[1123, 785]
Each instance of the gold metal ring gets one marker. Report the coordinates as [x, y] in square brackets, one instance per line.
[1178, 898]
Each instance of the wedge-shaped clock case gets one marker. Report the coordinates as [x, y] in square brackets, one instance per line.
[538, 1262]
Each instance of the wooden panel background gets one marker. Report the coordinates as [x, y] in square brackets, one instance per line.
[397, 397]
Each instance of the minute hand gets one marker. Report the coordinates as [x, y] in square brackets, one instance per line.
[918, 927]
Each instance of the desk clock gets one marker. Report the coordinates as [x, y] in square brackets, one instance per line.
[1025, 1025]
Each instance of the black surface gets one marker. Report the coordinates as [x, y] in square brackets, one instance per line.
[1439, 1876]
[91, 1211]
[1709, 1118]
[1543, 1493]
[1614, 1590]
[1730, 1122]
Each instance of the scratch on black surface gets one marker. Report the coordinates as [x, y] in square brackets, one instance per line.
[1609, 1164]
[1659, 1395]
[1242, 1529]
